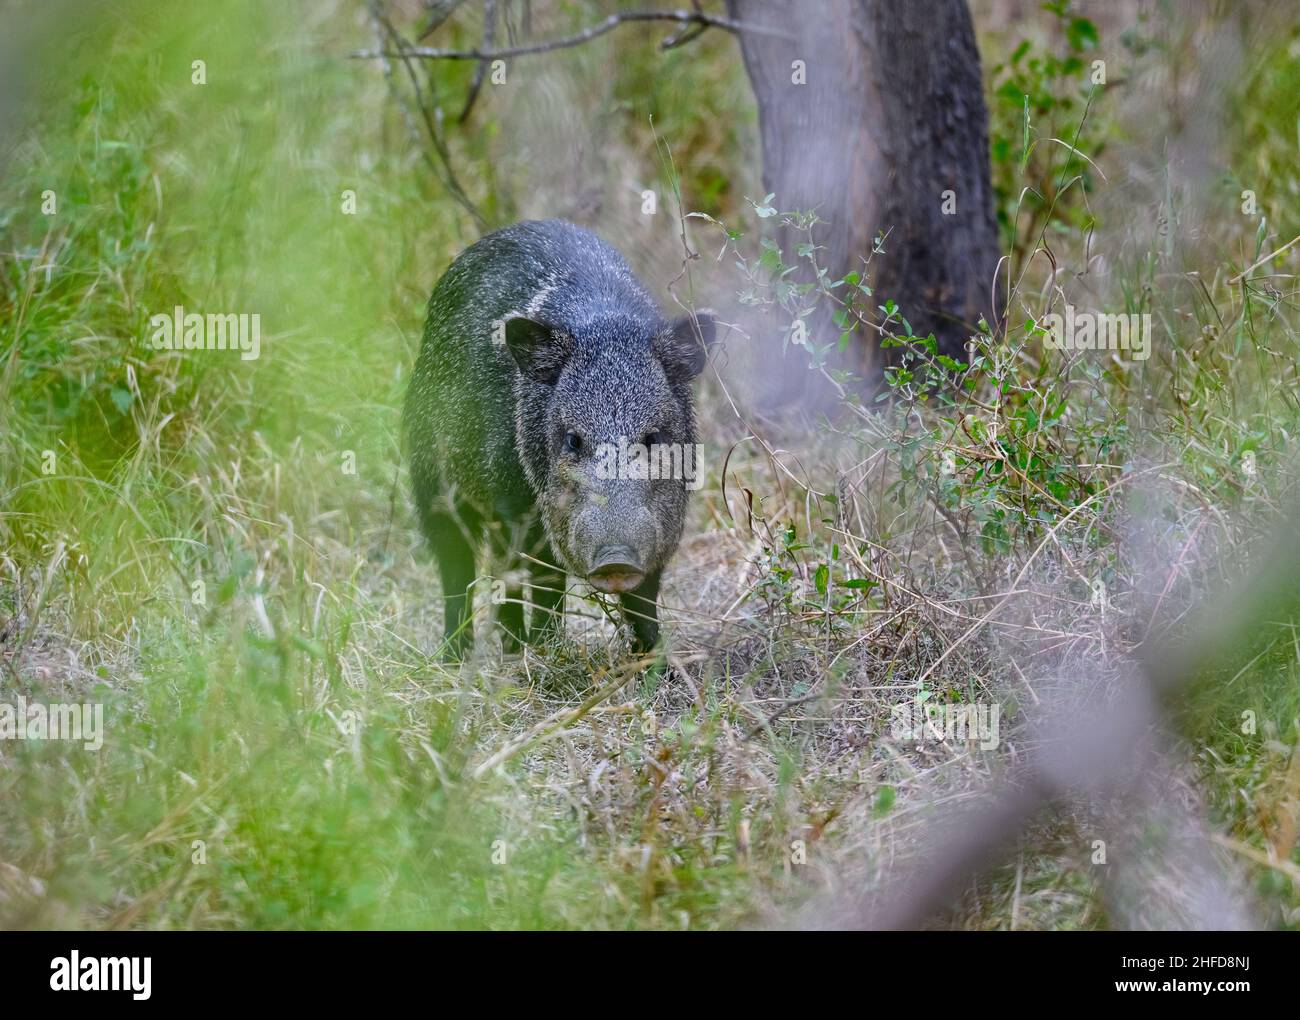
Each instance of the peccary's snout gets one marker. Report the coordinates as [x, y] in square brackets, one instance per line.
[615, 541]
[617, 568]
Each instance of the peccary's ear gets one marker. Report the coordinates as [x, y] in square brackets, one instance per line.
[538, 350]
[684, 349]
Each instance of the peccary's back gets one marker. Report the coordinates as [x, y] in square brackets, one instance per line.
[460, 411]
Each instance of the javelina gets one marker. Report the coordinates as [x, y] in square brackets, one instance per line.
[542, 355]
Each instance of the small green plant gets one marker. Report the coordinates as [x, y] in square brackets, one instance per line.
[1046, 129]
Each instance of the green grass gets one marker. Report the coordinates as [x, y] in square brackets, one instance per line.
[174, 469]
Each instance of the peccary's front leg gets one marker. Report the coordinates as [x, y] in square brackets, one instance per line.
[547, 596]
[455, 558]
[510, 612]
[451, 535]
[510, 617]
[548, 606]
[641, 610]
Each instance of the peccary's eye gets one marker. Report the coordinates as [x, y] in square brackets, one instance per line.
[572, 442]
[655, 438]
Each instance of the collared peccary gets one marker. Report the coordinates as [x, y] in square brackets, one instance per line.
[542, 353]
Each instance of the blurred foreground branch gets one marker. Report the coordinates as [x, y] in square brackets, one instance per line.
[1099, 753]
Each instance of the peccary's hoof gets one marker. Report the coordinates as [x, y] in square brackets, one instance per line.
[645, 636]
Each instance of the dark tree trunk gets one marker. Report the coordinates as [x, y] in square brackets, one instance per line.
[892, 117]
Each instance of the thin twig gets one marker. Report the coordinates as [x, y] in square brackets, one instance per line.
[480, 72]
[447, 175]
[1267, 258]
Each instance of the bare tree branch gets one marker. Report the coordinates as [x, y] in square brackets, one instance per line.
[586, 35]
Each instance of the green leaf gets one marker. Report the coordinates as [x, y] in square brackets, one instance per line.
[821, 578]
[306, 644]
[1025, 149]
[1082, 34]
